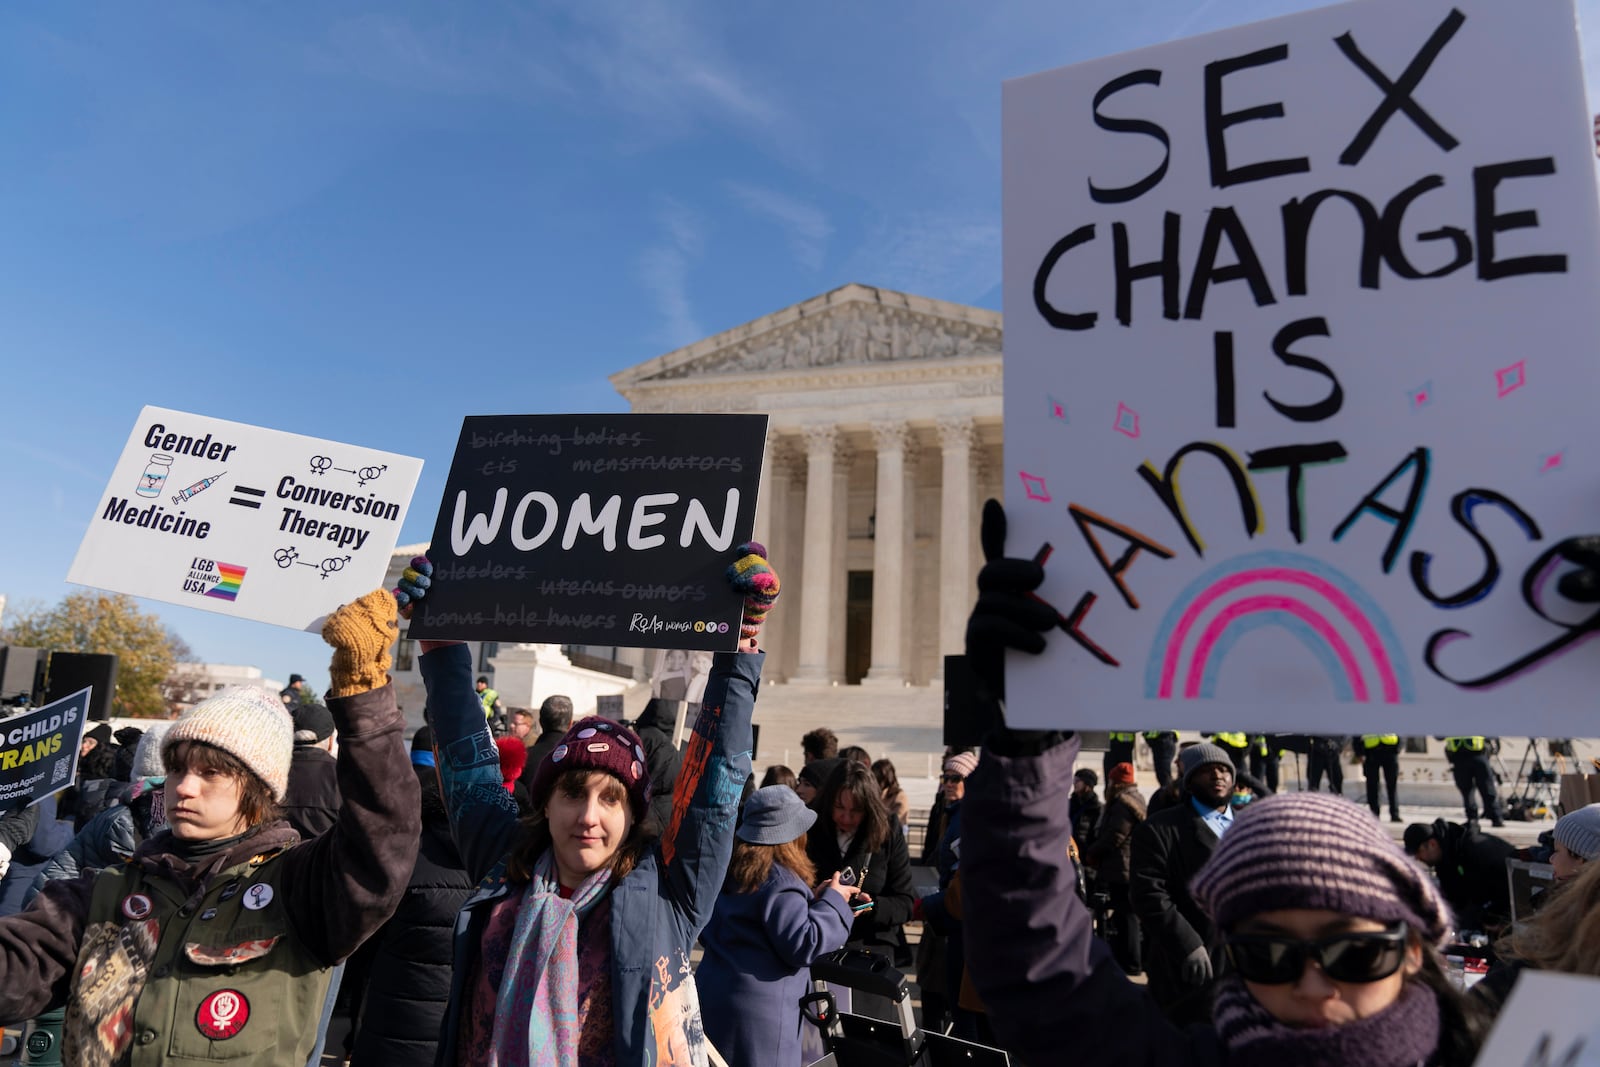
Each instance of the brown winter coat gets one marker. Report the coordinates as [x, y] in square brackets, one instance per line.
[1109, 852]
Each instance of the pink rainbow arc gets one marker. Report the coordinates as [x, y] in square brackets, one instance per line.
[1346, 608]
[1250, 606]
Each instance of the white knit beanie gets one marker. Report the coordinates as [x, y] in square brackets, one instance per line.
[1579, 830]
[147, 755]
[247, 722]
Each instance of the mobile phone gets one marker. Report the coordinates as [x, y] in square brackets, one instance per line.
[857, 909]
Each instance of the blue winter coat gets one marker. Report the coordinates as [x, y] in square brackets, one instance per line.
[758, 952]
[658, 910]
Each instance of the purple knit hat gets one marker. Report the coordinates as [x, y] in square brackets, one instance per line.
[1316, 850]
[596, 744]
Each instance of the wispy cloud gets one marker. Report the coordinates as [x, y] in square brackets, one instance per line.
[949, 256]
[805, 226]
[664, 271]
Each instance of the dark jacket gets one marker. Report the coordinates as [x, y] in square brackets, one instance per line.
[654, 727]
[109, 839]
[536, 754]
[327, 896]
[1049, 984]
[658, 910]
[1110, 851]
[31, 856]
[1086, 811]
[758, 950]
[888, 884]
[1167, 851]
[409, 986]
[311, 801]
[1472, 874]
[17, 827]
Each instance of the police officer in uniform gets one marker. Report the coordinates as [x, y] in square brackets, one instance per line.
[1380, 755]
[1324, 757]
[1163, 750]
[1236, 745]
[1469, 764]
[1119, 751]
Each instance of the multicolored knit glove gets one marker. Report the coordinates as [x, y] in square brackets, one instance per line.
[753, 576]
[361, 634]
[414, 583]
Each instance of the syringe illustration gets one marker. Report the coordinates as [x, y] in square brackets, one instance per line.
[201, 485]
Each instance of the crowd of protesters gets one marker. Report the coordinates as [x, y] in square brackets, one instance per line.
[212, 887]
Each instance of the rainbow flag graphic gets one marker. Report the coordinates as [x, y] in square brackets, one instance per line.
[227, 588]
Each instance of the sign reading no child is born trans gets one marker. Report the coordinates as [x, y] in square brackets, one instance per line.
[594, 529]
[1300, 374]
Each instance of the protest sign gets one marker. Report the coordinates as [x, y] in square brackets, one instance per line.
[244, 521]
[39, 750]
[1300, 374]
[1548, 1021]
[594, 529]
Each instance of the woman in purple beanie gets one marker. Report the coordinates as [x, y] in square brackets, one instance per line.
[1330, 932]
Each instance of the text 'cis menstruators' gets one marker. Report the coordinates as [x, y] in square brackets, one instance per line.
[557, 527]
[1296, 363]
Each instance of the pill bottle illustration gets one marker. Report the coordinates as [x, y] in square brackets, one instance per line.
[155, 475]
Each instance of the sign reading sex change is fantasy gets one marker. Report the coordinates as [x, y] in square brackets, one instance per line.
[245, 521]
[594, 529]
[39, 750]
[1301, 374]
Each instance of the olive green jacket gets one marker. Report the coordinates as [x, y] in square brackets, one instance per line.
[163, 961]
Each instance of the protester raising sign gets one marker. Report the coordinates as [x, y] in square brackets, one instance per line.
[594, 529]
[39, 750]
[1300, 373]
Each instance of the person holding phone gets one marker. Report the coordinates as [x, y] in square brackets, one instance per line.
[768, 927]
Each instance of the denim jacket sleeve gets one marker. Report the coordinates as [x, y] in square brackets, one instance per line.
[697, 842]
[483, 816]
[1048, 983]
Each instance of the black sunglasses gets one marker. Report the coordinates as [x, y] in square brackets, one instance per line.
[1365, 957]
[952, 778]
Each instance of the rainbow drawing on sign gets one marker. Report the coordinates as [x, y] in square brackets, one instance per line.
[227, 587]
[1337, 622]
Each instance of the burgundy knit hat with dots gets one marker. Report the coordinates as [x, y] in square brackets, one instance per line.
[596, 744]
[1316, 850]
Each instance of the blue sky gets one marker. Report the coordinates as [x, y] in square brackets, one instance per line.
[365, 222]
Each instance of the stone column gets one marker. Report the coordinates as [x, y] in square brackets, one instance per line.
[956, 591]
[764, 503]
[889, 556]
[816, 578]
[777, 636]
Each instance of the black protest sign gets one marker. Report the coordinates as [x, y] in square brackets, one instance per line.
[594, 529]
[39, 750]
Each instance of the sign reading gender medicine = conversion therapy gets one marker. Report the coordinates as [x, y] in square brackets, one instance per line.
[594, 529]
[39, 750]
[1300, 374]
[245, 521]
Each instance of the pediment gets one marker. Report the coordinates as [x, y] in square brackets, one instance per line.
[855, 325]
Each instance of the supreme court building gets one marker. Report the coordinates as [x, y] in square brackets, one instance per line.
[884, 441]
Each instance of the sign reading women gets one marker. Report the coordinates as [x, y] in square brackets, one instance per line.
[1300, 373]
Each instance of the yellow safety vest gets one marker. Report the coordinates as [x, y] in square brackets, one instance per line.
[1374, 740]
[1155, 735]
[1235, 740]
[1456, 744]
[1122, 737]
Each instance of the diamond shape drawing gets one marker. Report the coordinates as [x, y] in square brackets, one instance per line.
[1058, 410]
[1421, 396]
[1127, 421]
[1033, 486]
[1552, 461]
[1508, 380]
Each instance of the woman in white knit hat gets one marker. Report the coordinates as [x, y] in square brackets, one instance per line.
[1577, 841]
[217, 938]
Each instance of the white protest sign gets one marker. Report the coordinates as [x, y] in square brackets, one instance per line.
[1300, 374]
[1549, 1021]
[245, 521]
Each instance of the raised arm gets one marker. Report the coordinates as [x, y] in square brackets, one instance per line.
[483, 816]
[345, 884]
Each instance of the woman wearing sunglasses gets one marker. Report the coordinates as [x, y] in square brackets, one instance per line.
[1331, 932]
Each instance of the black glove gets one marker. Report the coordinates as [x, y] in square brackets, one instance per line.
[1582, 585]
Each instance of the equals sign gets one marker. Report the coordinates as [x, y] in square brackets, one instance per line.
[243, 493]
